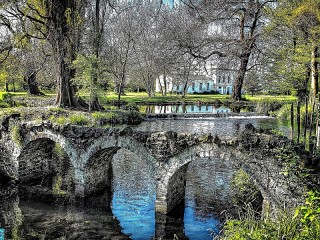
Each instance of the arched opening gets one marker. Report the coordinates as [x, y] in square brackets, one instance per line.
[134, 191]
[45, 172]
[98, 178]
[204, 187]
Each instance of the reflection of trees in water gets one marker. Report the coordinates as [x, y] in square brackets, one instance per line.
[10, 213]
[41, 221]
[208, 187]
[132, 172]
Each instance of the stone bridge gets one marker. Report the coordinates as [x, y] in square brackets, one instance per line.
[79, 160]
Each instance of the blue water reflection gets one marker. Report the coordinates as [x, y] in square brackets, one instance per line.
[199, 228]
[136, 214]
[135, 195]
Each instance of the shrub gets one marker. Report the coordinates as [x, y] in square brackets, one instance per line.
[59, 120]
[303, 223]
[132, 117]
[132, 107]
[79, 120]
[102, 118]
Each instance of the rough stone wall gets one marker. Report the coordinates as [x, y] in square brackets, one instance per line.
[164, 145]
[98, 179]
[176, 188]
[35, 161]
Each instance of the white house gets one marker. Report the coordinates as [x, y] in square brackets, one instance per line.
[207, 78]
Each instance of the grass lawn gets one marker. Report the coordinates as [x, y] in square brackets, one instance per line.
[142, 97]
[280, 98]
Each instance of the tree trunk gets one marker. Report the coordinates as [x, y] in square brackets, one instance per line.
[64, 43]
[95, 105]
[165, 84]
[237, 85]
[30, 78]
[7, 86]
[314, 74]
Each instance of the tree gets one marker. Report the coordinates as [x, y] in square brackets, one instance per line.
[234, 28]
[59, 22]
[121, 30]
[296, 24]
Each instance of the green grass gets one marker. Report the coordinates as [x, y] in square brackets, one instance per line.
[280, 98]
[142, 97]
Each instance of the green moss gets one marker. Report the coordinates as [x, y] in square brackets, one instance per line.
[57, 186]
[59, 151]
[18, 222]
[16, 135]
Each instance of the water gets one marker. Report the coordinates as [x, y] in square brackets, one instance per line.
[207, 195]
[162, 109]
[224, 127]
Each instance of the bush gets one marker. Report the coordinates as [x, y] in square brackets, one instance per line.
[132, 117]
[132, 107]
[102, 118]
[301, 223]
[79, 120]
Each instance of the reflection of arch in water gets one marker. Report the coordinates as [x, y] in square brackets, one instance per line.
[45, 170]
[172, 185]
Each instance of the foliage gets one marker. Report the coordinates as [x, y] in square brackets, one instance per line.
[88, 76]
[102, 118]
[59, 120]
[301, 223]
[79, 120]
[132, 117]
[245, 192]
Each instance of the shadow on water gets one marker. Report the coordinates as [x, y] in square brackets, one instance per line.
[26, 220]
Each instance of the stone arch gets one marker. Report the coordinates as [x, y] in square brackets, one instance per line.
[45, 171]
[35, 134]
[126, 142]
[97, 166]
[171, 175]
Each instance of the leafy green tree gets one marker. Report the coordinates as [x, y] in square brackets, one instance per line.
[295, 29]
[88, 77]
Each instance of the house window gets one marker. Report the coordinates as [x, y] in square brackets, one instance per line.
[219, 79]
[200, 87]
[208, 86]
[223, 79]
[193, 86]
